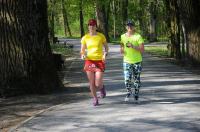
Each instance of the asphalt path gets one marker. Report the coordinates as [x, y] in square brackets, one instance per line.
[169, 101]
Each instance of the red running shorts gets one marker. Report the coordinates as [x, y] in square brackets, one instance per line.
[94, 66]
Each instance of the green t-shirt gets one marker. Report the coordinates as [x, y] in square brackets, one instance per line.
[131, 55]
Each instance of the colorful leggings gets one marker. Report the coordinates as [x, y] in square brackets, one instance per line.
[132, 72]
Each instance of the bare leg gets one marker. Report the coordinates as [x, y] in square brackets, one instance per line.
[99, 80]
[91, 78]
[99, 84]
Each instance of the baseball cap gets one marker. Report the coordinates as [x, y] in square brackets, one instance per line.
[92, 22]
[130, 23]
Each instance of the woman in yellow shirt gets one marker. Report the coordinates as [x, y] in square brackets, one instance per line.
[92, 52]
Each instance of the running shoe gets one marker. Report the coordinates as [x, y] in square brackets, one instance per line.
[127, 98]
[95, 102]
[137, 99]
[103, 92]
[136, 96]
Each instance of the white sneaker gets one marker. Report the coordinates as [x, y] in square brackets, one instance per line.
[127, 99]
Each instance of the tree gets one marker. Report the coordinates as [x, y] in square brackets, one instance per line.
[124, 12]
[101, 18]
[25, 55]
[114, 18]
[153, 21]
[65, 18]
[51, 20]
[174, 23]
[143, 17]
[189, 15]
[184, 14]
[81, 18]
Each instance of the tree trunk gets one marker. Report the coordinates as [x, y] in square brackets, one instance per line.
[65, 18]
[51, 21]
[124, 12]
[101, 18]
[153, 20]
[25, 55]
[174, 25]
[81, 18]
[189, 12]
[114, 18]
[141, 18]
[184, 41]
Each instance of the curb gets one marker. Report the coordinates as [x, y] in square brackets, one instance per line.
[13, 129]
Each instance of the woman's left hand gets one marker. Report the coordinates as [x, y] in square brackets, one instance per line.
[104, 56]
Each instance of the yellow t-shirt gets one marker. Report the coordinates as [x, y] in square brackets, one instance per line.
[131, 55]
[94, 45]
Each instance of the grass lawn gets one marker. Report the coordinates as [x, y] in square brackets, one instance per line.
[160, 50]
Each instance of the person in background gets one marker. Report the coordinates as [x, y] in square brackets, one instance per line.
[132, 48]
[94, 49]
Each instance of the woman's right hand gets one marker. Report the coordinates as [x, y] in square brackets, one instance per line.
[83, 57]
[129, 45]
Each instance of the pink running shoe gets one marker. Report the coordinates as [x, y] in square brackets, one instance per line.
[95, 102]
[103, 92]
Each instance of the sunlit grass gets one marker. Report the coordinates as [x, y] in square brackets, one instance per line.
[157, 50]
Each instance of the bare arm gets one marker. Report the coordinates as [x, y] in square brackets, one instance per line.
[82, 52]
[106, 48]
[105, 51]
[122, 48]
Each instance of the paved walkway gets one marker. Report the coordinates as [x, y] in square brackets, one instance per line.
[170, 102]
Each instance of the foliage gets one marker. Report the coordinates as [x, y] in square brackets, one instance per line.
[153, 20]
[136, 11]
[72, 7]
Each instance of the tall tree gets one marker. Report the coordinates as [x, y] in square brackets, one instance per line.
[114, 18]
[101, 17]
[124, 11]
[153, 20]
[81, 17]
[51, 20]
[189, 12]
[174, 25]
[65, 18]
[141, 18]
[25, 55]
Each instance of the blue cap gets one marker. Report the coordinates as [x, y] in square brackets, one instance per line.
[130, 23]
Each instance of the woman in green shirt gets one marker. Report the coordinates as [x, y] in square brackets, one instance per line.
[132, 48]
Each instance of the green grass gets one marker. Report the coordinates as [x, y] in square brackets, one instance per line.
[157, 50]
[61, 49]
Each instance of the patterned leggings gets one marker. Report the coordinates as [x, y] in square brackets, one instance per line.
[132, 72]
